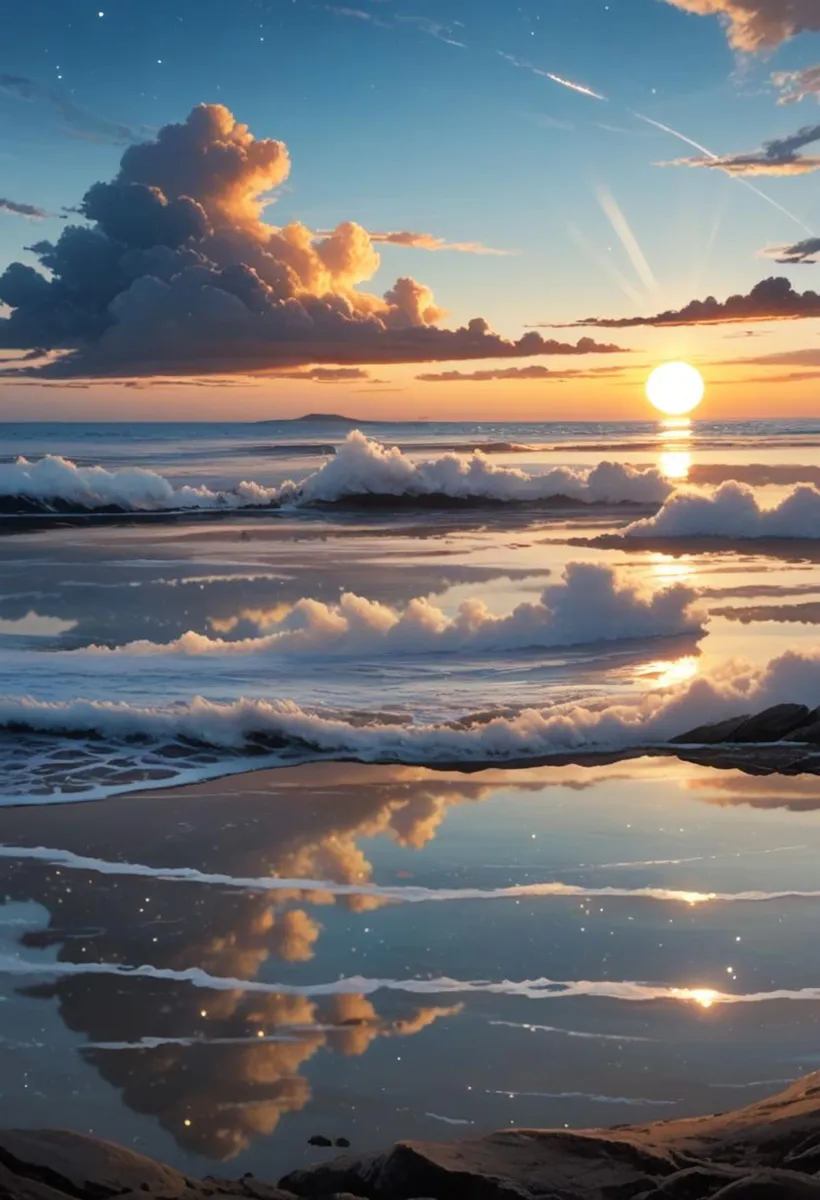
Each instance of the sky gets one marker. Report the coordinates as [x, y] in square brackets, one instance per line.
[529, 162]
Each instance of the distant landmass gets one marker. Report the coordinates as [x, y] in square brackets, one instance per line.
[321, 419]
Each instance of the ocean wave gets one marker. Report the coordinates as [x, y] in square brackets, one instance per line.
[362, 467]
[55, 484]
[360, 471]
[84, 749]
[732, 511]
[592, 603]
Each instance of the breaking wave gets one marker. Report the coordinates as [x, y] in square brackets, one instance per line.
[361, 470]
[591, 604]
[119, 747]
[732, 511]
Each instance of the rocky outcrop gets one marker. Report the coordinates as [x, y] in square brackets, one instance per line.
[782, 722]
[768, 1151]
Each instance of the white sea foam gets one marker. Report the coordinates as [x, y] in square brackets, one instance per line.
[732, 511]
[53, 479]
[592, 603]
[363, 467]
[626, 991]
[67, 860]
[291, 733]
[360, 468]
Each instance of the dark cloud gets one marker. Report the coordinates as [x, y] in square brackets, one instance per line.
[770, 300]
[23, 210]
[513, 373]
[178, 274]
[780, 156]
[329, 375]
[756, 25]
[805, 252]
[75, 120]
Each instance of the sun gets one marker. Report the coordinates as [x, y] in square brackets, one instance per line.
[675, 389]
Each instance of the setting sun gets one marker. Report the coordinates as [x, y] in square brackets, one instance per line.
[676, 388]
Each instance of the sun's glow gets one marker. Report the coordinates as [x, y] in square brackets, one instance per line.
[676, 388]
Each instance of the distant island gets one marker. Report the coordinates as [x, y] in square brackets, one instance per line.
[320, 419]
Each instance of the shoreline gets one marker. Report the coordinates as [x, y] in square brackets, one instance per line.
[764, 1151]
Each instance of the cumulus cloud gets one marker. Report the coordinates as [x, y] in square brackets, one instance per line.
[758, 25]
[592, 603]
[780, 156]
[23, 210]
[797, 85]
[177, 273]
[732, 511]
[772, 299]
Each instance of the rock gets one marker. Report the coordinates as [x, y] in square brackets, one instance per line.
[54, 1164]
[735, 1156]
[319, 1139]
[772, 724]
[343, 1142]
[710, 735]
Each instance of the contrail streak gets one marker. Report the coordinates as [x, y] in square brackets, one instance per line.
[630, 243]
[711, 154]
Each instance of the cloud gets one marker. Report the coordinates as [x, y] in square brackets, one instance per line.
[772, 299]
[732, 511]
[797, 85]
[778, 157]
[758, 25]
[178, 274]
[329, 375]
[513, 373]
[23, 210]
[76, 121]
[806, 252]
[592, 603]
[427, 241]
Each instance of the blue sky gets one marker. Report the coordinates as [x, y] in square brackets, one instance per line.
[392, 125]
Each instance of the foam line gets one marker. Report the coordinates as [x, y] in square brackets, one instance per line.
[396, 894]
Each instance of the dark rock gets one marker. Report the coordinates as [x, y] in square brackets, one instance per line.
[772, 724]
[343, 1142]
[319, 1139]
[771, 1185]
[711, 735]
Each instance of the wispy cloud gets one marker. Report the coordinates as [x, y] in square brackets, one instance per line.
[76, 121]
[427, 241]
[797, 85]
[806, 252]
[780, 156]
[514, 374]
[31, 211]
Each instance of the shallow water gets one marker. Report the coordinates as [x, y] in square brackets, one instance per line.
[385, 951]
[422, 1003]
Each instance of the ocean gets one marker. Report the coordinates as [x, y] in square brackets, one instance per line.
[334, 787]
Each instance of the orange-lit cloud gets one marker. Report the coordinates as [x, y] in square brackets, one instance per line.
[756, 25]
[780, 156]
[181, 275]
[797, 85]
[428, 241]
[513, 373]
